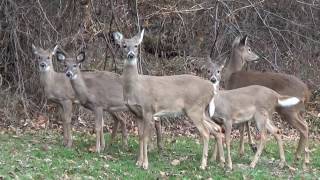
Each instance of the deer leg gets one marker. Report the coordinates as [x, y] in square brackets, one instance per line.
[124, 133]
[259, 150]
[260, 119]
[228, 127]
[66, 112]
[148, 123]
[250, 139]
[293, 118]
[197, 118]
[140, 132]
[276, 133]
[102, 141]
[159, 135]
[98, 126]
[241, 147]
[114, 130]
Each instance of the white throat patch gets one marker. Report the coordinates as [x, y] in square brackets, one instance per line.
[131, 62]
[74, 77]
[45, 69]
[212, 107]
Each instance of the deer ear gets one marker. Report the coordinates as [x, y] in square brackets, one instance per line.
[81, 57]
[34, 50]
[118, 37]
[243, 40]
[60, 56]
[55, 49]
[140, 37]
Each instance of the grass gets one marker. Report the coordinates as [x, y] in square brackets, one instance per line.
[41, 156]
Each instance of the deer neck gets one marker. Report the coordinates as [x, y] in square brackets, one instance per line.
[130, 82]
[235, 64]
[47, 79]
[80, 88]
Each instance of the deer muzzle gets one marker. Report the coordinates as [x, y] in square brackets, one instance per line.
[69, 74]
[131, 55]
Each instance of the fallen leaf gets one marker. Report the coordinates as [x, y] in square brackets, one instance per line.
[175, 162]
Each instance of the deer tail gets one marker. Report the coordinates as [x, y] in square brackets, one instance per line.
[287, 101]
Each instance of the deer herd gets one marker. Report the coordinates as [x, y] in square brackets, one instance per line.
[248, 96]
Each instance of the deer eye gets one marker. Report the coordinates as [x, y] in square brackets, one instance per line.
[48, 57]
[124, 46]
[208, 71]
[135, 46]
[249, 49]
[74, 65]
[218, 71]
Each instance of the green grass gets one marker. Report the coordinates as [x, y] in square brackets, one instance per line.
[42, 156]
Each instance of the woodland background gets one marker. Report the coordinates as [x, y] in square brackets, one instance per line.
[285, 34]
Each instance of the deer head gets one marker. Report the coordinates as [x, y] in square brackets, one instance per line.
[44, 57]
[129, 47]
[72, 65]
[241, 48]
[215, 73]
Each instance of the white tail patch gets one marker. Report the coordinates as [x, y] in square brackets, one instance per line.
[288, 101]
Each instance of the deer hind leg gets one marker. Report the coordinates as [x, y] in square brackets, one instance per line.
[241, 146]
[260, 119]
[197, 118]
[66, 112]
[296, 120]
[159, 135]
[276, 133]
[250, 139]
[228, 128]
[114, 129]
[117, 118]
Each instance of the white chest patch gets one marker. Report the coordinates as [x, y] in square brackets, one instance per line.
[131, 62]
[45, 69]
[212, 107]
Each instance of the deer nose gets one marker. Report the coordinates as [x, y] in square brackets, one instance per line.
[69, 74]
[130, 55]
[42, 65]
[213, 80]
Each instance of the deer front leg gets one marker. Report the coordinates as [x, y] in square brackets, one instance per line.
[66, 112]
[228, 127]
[140, 132]
[98, 126]
[148, 123]
[124, 134]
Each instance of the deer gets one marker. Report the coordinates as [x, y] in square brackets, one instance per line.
[246, 104]
[157, 96]
[284, 84]
[98, 91]
[57, 89]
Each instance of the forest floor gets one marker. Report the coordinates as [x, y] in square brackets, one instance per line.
[41, 155]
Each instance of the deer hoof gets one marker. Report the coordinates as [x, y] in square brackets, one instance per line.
[139, 163]
[252, 165]
[145, 166]
[253, 148]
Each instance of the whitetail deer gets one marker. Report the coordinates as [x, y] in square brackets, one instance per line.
[245, 104]
[284, 84]
[98, 91]
[59, 90]
[156, 96]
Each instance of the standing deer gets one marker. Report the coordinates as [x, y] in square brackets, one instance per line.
[245, 104]
[284, 84]
[155, 96]
[59, 90]
[98, 91]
